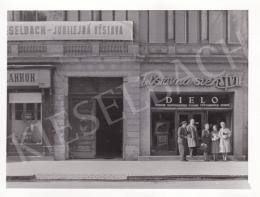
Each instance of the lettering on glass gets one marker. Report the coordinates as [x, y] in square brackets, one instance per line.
[191, 100]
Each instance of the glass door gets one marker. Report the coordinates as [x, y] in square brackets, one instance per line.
[198, 116]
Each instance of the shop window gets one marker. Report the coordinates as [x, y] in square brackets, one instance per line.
[26, 124]
[163, 134]
[30, 109]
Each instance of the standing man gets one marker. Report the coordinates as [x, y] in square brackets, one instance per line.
[192, 137]
[182, 140]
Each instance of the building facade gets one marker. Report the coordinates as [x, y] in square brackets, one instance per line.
[116, 84]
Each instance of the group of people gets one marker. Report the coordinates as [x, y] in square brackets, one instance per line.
[215, 141]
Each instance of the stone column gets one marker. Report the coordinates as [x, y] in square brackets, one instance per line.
[131, 118]
[59, 117]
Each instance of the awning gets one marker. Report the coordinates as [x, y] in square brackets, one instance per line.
[34, 97]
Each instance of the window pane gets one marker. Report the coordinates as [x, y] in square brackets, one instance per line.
[30, 110]
[107, 15]
[72, 15]
[38, 111]
[41, 16]
[28, 15]
[180, 26]
[217, 26]
[96, 15]
[120, 15]
[193, 26]
[85, 15]
[157, 26]
[10, 16]
[18, 111]
[55, 15]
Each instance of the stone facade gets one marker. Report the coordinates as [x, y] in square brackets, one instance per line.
[152, 49]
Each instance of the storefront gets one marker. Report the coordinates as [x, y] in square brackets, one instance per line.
[174, 98]
[29, 102]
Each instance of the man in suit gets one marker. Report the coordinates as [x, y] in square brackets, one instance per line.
[192, 137]
[182, 140]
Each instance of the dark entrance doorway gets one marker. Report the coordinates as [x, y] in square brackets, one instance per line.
[109, 133]
[95, 115]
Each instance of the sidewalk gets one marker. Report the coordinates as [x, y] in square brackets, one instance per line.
[125, 170]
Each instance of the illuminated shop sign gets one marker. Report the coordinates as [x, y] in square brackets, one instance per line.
[225, 81]
[190, 100]
[66, 30]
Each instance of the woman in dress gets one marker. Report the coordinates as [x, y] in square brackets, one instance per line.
[225, 140]
[192, 137]
[206, 139]
[215, 142]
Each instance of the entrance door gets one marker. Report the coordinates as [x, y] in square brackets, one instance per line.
[83, 128]
[109, 133]
[198, 116]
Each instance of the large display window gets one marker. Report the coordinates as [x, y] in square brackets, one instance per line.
[168, 110]
[25, 119]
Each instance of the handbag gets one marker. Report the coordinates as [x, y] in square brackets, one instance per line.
[203, 146]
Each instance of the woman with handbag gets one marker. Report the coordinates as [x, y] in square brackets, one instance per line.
[225, 141]
[215, 142]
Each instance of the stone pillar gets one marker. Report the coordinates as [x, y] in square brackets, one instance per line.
[131, 118]
[59, 117]
[238, 124]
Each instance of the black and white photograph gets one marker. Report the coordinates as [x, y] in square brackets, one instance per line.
[127, 98]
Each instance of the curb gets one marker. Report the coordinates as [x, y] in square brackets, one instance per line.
[31, 178]
[188, 177]
[21, 178]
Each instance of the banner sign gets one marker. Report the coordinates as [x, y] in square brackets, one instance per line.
[190, 100]
[29, 77]
[225, 81]
[68, 30]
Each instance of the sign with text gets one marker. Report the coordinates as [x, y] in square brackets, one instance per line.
[225, 81]
[67, 30]
[190, 100]
[29, 77]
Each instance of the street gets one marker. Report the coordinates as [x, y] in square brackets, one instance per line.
[175, 184]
